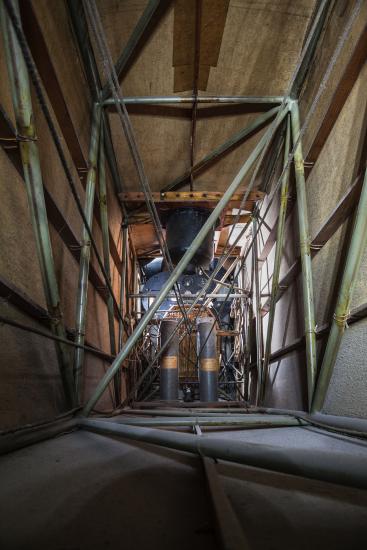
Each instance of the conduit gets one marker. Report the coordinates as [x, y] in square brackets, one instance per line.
[342, 469]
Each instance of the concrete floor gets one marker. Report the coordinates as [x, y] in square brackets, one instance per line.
[87, 491]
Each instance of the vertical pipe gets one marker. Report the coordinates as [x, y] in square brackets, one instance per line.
[81, 305]
[22, 102]
[169, 361]
[106, 256]
[105, 237]
[123, 282]
[255, 267]
[357, 247]
[278, 257]
[185, 260]
[249, 339]
[304, 236]
[208, 359]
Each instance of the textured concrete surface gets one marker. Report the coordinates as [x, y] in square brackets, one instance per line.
[348, 384]
[86, 491]
[83, 491]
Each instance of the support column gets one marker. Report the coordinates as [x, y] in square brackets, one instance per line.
[185, 260]
[124, 258]
[278, 257]
[357, 247]
[208, 359]
[106, 257]
[259, 332]
[22, 102]
[304, 236]
[169, 361]
[81, 306]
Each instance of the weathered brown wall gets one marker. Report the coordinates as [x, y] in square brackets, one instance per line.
[30, 383]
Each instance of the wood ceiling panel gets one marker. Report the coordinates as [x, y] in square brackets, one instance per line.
[212, 18]
[257, 54]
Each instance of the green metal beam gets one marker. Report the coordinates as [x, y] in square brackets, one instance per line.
[22, 102]
[179, 269]
[320, 13]
[82, 296]
[305, 253]
[259, 332]
[278, 256]
[124, 259]
[133, 41]
[353, 260]
[253, 127]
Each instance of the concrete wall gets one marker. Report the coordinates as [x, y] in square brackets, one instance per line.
[332, 175]
[30, 383]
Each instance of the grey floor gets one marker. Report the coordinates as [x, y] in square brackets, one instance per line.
[87, 491]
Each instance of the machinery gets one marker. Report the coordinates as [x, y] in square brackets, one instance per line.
[190, 360]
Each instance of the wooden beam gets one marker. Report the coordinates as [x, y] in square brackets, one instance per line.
[219, 152]
[340, 213]
[188, 196]
[230, 219]
[222, 251]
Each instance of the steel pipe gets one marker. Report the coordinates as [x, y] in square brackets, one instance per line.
[185, 411]
[26, 132]
[82, 296]
[348, 469]
[353, 260]
[36, 81]
[179, 269]
[276, 123]
[248, 422]
[169, 361]
[172, 100]
[103, 209]
[219, 151]
[208, 359]
[284, 190]
[258, 319]
[305, 252]
[133, 41]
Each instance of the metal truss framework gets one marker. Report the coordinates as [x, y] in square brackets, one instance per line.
[281, 115]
